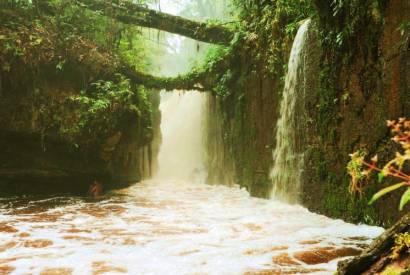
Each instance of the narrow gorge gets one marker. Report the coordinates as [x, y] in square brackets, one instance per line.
[204, 137]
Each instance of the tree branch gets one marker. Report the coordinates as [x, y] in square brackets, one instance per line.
[379, 248]
[134, 14]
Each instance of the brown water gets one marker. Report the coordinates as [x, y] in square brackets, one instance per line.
[171, 227]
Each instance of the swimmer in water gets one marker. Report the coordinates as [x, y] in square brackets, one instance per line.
[95, 189]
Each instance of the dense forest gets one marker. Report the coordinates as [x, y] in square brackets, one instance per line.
[109, 106]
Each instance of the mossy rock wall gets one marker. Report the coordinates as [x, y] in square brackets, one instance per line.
[351, 94]
[59, 129]
[241, 129]
[36, 158]
[351, 113]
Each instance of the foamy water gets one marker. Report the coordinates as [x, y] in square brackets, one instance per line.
[182, 151]
[167, 227]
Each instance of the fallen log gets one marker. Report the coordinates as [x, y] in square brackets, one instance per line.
[190, 81]
[376, 255]
[134, 14]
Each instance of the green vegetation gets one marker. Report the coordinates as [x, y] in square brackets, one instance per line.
[248, 92]
[349, 89]
[64, 89]
[405, 34]
[269, 27]
[76, 42]
[75, 63]
[360, 169]
[108, 107]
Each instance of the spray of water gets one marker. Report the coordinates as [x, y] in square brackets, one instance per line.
[181, 156]
[288, 154]
[182, 153]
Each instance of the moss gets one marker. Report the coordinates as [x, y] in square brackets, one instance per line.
[72, 118]
[351, 107]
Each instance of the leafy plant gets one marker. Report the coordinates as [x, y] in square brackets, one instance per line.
[359, 169]
[269, 25]
[106, 107]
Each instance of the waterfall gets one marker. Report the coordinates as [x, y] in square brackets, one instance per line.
[288, 154]
[182, 153]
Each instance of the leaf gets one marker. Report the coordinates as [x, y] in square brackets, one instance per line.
[38, 41]
[386, 190]
[60, 65]
[381, 176]
[405, 198]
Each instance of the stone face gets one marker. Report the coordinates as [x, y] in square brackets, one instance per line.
[241, 130]
[27, 167]
[366, 93]
[342, 116]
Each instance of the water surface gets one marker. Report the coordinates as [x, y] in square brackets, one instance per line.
[171, 227]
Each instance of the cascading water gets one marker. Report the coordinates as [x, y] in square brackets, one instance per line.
[176, 224]
[181, 156]
[289, 152]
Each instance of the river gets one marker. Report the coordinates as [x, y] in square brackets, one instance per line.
[171, 227]
[174, 224]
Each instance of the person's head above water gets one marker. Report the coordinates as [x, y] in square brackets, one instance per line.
[95, 189]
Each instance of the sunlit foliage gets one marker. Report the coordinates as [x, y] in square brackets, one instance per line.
[360, 169]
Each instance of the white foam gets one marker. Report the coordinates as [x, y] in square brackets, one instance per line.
[174, 228]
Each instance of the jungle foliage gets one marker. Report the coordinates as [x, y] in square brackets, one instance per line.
[270, 26]
[71, 43]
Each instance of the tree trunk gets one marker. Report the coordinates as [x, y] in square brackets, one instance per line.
[129, 13]
[198, 80]
[375, 257]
